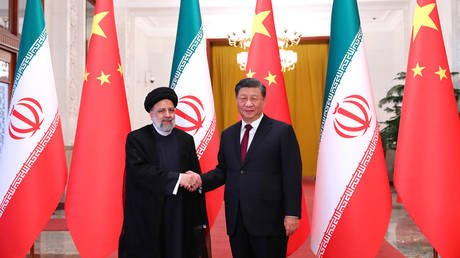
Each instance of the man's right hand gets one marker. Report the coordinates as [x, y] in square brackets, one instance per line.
[190, 181]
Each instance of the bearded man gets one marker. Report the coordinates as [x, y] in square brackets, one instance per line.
[160, 218]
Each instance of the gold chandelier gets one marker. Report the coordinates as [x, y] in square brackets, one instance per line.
[288, 58]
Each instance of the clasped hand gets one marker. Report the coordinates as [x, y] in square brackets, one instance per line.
[190, 181]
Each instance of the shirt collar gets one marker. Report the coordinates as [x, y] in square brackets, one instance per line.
[254, 124]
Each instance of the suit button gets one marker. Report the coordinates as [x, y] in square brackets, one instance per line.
[241, 172]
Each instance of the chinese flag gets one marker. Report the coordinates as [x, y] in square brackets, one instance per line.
[264, 64]
[427, 168]
[94, 206]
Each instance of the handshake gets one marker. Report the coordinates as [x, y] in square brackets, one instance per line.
[190, 181]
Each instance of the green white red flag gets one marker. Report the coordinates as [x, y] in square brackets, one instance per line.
[352, 203]
[191, 81]
[33, 170]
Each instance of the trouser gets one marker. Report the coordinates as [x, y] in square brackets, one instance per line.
[245, 245]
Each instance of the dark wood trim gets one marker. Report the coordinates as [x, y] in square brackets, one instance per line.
[5, 56]
[215, 40]
[9, 57]
[9, 41]
[315, 38]
[324, 39]
[13, 16]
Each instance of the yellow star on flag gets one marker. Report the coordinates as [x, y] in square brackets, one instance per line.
[271, 78]
[86, 75]
[422, 18]
[258, 26]
[418, 70]
[250, 74]
[104, 78]
[120, 69]
[441, 73]
[96, 29]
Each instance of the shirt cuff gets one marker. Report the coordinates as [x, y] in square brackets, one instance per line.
[176, 188]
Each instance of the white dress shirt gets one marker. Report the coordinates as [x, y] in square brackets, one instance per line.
[252, 132]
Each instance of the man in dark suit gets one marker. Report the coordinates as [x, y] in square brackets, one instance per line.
[160, 218]
[260, 165]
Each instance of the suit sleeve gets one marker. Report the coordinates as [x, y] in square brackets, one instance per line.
[143, 172]
[291, 163]
[194, 158]
[196, 199]
[216, 177]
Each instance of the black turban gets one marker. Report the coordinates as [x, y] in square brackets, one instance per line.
[159, 94]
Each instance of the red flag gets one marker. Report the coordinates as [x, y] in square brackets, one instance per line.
[427, 168]
[264, 64]
[94, 207]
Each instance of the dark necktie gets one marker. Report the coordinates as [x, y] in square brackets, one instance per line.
[244, 142]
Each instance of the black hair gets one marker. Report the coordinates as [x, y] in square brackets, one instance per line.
[250, 83]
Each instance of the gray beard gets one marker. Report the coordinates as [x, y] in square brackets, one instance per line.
[166, 129]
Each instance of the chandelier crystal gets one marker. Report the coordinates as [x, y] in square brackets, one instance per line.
[288, 58]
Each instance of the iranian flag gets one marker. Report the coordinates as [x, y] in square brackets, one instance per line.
[33, 170]
[352, 203]
[190, 80]
[427, 167]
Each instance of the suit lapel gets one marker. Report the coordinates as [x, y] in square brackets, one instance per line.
[236, 140]
[264, 127]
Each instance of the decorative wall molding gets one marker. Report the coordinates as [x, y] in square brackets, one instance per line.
[9, 41]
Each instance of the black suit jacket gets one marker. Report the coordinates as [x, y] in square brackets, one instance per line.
[145, 185]
[267, 185]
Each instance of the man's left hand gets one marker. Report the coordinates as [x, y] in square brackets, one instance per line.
[290, 224]
[195, 181]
